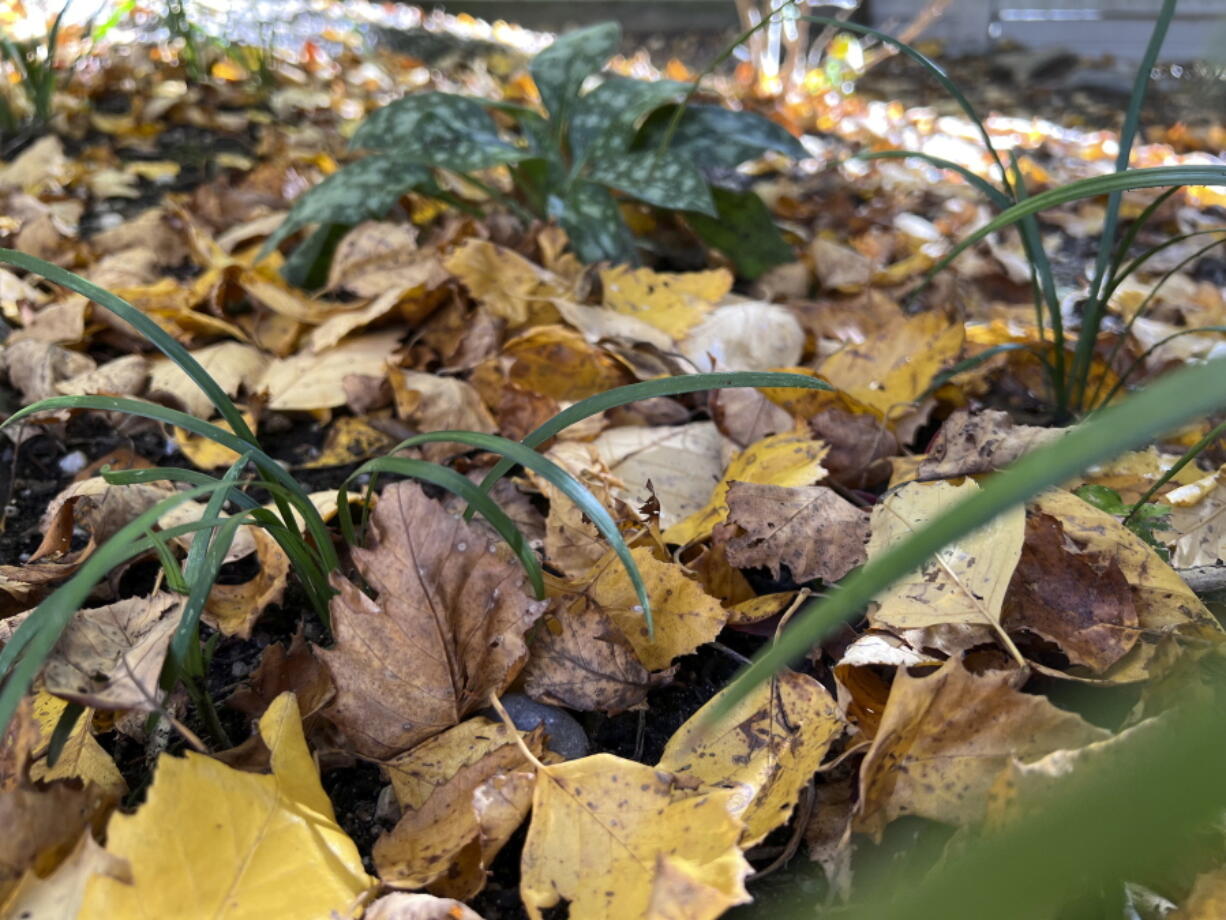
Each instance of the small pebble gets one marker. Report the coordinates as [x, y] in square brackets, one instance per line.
[564, 735]
[387, 809]
[73, 463]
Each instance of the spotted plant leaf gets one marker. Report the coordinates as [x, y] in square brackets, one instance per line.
[663, 179]
[395, 125]
[590, 217]
[744, 230]
[713, 136]
[605, 118]
[362, 190]
[561, 68]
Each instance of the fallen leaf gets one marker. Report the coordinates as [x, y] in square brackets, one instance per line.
[672, 302]
[1207, 900]
[506, 283]
[81, 756]
[559, 362]
[682, 463]
[685, 616]
[242, 826]
[891, 369]
[944, 739]
[448, 842]
[840, 268]
[232, 365]
[599, 825]
[580, 660]
[314, 381]
[418, 772]
[1198, 518]
[350, 439]
[233, 608]
[403, 906]
[788, 459]
[1079, 601]
[964, 584]
[433, 403]
[60, 894]
[970, 444]
[1165, 605]
[111, 657]
[810, 529]
[448, 621]
[295, 669]
[745, 335]
[768, 746]
[679, 893]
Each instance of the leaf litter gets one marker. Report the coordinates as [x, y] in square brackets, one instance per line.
[948, 702]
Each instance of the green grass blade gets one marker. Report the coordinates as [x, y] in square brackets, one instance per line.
[198, 570]
[157, 336]
[1130, 236]
[1150, 177]
[665, 386]
[1043, 280]
[1188, 456]
[989, 191]
[1095, 304]
[567, 484]
[936, 72]
[1167, 404]
[459, 485]
[23, 655]
[1142, 307]
[290, 492]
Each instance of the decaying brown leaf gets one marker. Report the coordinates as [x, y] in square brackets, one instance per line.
[970, 444]
[444, 630]
[810, 529]
[1079, 601]
[579, 659]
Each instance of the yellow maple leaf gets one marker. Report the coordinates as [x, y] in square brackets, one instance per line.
[603, 830]
[234, 844]
[673, 302]
[770, 744]
[787, 459]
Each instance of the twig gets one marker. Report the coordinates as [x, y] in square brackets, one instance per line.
[1204, 579]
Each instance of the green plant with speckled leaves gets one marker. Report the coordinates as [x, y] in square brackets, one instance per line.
[634, 138]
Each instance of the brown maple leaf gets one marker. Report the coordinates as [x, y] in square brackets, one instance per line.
[445, 629]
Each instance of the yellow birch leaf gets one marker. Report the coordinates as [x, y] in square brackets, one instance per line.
[673, 302]
[770, 745]
[316, 381]
[251, 845]
[600, 826]
[81, 757]
[506, 283]
[891, 369]
[685, 615]
[1207, 899]
[206, 453]
[965, 583]
[787, 459]
[59, 894]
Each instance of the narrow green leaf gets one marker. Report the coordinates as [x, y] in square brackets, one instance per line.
[459, 485]
[1150, 177]
[649, 389]
[567, 484]
[1167, 404]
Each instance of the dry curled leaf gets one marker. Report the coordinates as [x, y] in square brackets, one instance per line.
[445, 627]
[970, 444]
